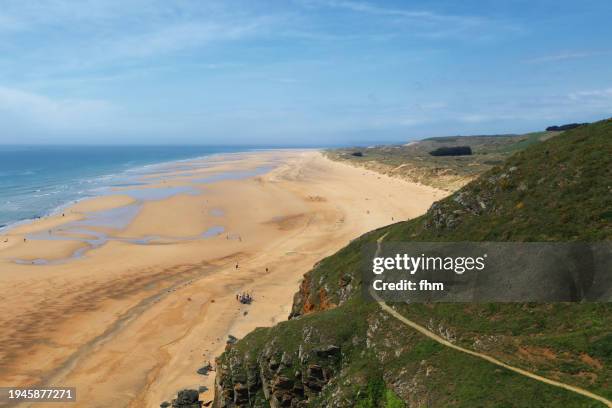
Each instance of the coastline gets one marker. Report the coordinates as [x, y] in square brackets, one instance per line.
[134, 332]
[119, 173]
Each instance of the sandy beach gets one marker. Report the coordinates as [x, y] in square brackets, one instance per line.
[128, 306]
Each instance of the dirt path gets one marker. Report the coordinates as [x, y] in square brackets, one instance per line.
[490, 359]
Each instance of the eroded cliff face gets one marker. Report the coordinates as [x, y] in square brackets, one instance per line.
[323, 359]
[275, 378]
[312, 298]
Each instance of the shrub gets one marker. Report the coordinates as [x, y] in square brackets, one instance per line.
[452, 151]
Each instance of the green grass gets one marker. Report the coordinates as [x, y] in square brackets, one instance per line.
[414, 162]
[526, 140]
[391, 400]
[560, 191]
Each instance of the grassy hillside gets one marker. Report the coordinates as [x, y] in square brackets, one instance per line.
[413, 161]
[339, 350]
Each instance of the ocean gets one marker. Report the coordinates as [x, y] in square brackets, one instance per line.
[37, 180]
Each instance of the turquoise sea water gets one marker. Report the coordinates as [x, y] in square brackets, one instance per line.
[34, 181]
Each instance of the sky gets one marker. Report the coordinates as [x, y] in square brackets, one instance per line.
[298, 72]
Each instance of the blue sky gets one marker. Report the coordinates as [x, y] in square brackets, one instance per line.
[298, 71]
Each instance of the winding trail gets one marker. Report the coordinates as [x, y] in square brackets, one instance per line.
[482, 356]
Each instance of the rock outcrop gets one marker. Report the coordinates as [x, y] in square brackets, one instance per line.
[273, 376]
[187, 399]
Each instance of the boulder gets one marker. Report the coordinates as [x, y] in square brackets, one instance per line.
[187, 399]
[205, 369]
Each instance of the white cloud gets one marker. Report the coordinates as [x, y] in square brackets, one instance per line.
[57, 36]
[174, 38]
[371, 8]
[592, 94]
[421, 22]
[474, 118]
[563, 107]
[566, 55]
[432, 105]
[24, 110]
[37, 14]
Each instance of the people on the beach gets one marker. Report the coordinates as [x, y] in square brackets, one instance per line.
[244, 297]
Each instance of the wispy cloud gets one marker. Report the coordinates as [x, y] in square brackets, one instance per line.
[60, 36]
[371, 8]
[22, 109]
[605, 93]
[422, 22]
[567, 55]
[551, 107]
[37, 14]
[175, 38]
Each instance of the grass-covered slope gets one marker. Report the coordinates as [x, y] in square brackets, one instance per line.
[415, 162]
[559, 190]
[339, 350]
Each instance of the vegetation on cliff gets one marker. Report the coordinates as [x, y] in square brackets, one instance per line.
[340, 350]
[452, 151]
[414, 161]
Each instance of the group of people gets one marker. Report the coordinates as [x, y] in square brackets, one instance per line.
[244, 298]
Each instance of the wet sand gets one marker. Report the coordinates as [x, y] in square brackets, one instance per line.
[130, 319]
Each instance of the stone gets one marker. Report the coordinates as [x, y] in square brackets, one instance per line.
[329, 351]
[241, 393]
[187, 399]
[283, 383]
[205, 370]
